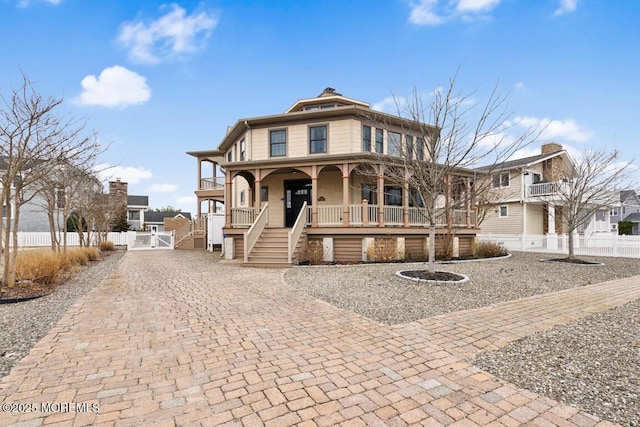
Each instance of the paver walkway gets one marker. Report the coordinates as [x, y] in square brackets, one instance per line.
[176, 339]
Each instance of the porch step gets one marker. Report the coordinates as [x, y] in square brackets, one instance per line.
[271, 249]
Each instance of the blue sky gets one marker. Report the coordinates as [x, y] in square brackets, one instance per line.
[157, 79]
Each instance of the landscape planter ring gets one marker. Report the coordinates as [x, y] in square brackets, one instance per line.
[20, 299]
[463, 278]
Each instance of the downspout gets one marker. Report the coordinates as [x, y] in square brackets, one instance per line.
[249, 140]
[524, 206]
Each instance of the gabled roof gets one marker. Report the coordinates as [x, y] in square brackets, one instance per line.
[627, 194]
[137, 200]
[523, 162]
[633, 217]
[160, 216]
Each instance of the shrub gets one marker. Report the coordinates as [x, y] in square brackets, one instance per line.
[77, 256]
[444, 246]
[107, 246]
[487, 249]
[93, 253]
[625, 228]
[45, 266]
[42, 266]
[314, 252]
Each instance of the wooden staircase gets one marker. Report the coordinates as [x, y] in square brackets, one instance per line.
[271, 249]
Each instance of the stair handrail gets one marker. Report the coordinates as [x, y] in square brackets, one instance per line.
[251, 236]
[296, 232]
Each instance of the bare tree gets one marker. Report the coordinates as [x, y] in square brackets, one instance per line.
[453, 132]
[34, 139]
[595, 184]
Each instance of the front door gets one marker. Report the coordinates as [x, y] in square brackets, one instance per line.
[295, 194]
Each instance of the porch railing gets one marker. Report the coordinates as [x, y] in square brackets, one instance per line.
[296, 231]
[361, 214]
[393, 215]
[196, 224]
[212, 182]
[243, 217]
[251, 236]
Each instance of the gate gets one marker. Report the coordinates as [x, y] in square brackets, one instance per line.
[139, 240]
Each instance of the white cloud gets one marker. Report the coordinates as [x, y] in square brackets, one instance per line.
[162, 188]
[436, 12]
[114, 87]
[474, 6]
[172, 35]
[566, 6]
[390, 104]
[27, 3]
[129, 174]
[567, 130]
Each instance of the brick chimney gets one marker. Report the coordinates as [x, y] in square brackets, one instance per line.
[118, 192]
[552, 169]
[550, 148]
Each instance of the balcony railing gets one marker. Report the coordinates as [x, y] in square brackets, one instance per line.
[212, 183]
[542, 189]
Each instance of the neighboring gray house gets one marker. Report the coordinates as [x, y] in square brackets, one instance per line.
[137, 207]
[154, 221]
[627, 210]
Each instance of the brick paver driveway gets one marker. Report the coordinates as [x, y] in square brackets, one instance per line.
[176, 339]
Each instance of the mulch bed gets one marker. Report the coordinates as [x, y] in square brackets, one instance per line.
[440, 276]
[573, 261]
[26, 289]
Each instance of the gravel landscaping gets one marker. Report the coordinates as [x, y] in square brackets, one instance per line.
[593, 363]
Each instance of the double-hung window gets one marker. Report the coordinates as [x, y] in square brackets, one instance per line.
[501, 180]
[370, 193]
[243, 150]
[394, 144]
[318, 139]
[366, 138]
[419, 148]
[409, 141]
[278, 143]
[379, 141]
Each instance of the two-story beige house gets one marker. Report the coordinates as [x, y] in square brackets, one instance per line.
[314, 177]
[525, 197]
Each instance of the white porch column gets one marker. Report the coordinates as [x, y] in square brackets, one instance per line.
[552, 237]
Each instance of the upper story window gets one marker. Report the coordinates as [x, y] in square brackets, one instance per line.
[243, 150]
[278, 142]
[501, 180]
[318, 139]
[394, 144]
[409, 142]
[419, 148]
[229, 155]
[366, 138]
[134, 215]
[379, 141]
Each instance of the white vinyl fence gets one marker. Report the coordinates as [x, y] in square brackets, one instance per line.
[33, 239]
[598, 244]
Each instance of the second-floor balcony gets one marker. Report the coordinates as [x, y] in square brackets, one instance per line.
[216, 182]
[542, 189]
